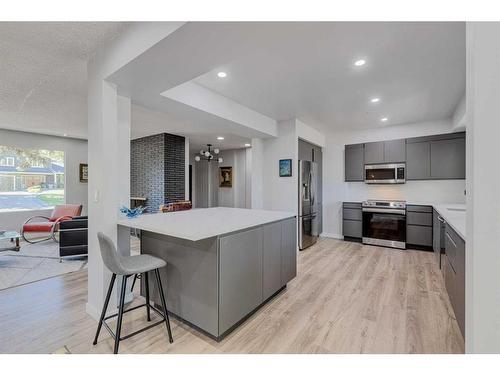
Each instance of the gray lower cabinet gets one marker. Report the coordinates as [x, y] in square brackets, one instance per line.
[240, 276]
[438, 235]
[374, 153]
[454, 274]
[418, 235]
[448, 159]
[271, 259]
[419, 223]
[352, 220]
[288, 250]
[354, 163]
[418, 161]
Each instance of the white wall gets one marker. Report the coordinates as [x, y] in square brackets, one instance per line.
[280, 193]
[336, 191]
[75, 153]
[237, 195]
[482, 298]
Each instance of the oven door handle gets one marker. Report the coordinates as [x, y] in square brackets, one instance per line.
[385, 210]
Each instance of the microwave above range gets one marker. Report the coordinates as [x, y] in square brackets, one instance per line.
[385, 173]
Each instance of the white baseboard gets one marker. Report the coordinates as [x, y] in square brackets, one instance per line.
[332, 235]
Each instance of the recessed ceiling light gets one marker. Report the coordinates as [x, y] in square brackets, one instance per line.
[65, 135]
[360, 62]
[220, 138]
[384, 119]
[247, 144]
[375, 100]
[222, 74]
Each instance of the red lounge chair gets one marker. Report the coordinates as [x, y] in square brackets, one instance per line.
[51, 225]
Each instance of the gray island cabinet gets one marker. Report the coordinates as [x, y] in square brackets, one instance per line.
[223, 266]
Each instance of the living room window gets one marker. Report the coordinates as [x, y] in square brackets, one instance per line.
[31, 178]
[7, 161]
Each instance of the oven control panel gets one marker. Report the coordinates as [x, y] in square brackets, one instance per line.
[384, 204]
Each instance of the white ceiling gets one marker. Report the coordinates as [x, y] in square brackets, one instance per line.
[283, 70]
[43, 73]
[305, 70]
[417, 69]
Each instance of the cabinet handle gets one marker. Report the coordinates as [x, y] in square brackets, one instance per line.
[441, 219]
[451, 239]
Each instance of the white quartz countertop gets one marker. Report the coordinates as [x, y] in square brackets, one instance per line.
[202, 223]
[454, 215]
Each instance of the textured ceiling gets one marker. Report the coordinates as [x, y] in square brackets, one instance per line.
[43, 73]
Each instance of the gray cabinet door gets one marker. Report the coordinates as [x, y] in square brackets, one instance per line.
[418, 161]
[352, 228]
[436, 236]
[288, 250]
[354, 163]
[271, 259]
[395, 151]
[240, 276]
[448, 159]
[374, 152]
[419, 235]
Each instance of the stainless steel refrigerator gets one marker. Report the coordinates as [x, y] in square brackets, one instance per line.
[308, 204]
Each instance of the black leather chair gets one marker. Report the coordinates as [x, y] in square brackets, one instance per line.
[73, 239]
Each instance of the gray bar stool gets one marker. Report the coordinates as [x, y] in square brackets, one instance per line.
[125, 267]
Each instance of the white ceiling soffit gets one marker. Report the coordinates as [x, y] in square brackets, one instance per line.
[148, 122]
[305, 70]
[215, 104]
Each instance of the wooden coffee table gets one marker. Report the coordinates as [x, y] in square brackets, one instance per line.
[13, 237]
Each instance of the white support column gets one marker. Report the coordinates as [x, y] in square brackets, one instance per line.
[257, 180]
[483, 185]
[109, 182]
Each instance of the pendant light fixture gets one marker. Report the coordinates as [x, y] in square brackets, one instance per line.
[209, 155]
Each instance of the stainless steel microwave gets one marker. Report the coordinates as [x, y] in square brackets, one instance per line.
[385, 173]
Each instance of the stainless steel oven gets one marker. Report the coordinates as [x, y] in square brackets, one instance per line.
[384, 223]
[385, 173]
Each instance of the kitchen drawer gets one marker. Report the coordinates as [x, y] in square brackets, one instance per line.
[352, 214]
[419, 218]
[418, 208]
[419, 235]
[352, 228]
[352, 205]
[455, 250]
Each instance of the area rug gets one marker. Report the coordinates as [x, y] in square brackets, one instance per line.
[34, 262]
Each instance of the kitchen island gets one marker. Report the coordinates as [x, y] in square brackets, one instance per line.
[222, 263]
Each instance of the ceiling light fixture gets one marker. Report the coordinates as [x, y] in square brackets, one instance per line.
[222, 74]
[384, 119]
[360, 62]
[247, 144]
[208, 154]
[220, 138]
[375, 100]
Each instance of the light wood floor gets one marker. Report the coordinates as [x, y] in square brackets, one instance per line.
[347, 298]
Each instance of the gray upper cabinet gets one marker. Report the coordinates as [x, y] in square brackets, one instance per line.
[395, 151]
[418, 161]
[374, 152]
[448, 159]
[354, 163]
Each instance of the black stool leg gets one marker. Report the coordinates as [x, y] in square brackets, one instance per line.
[164, 304]
[133, 283]
[120, 314]
[104, 308]
[146, 282]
